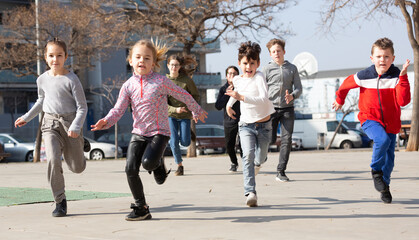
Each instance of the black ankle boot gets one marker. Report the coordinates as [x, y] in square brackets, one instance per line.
[161, 173]
[86, 145]
[138, 213]
[60, 209]
[379, 183]
[386, 195]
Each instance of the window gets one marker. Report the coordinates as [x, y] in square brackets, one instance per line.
[15, 104]
[218, 132]
[203, 132]
[331, 126]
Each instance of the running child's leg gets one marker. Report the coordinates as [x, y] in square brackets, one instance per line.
[153, 159]
[264, 132]
[135, 152]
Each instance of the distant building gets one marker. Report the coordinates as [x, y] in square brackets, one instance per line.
[319, 94]
[18, 94]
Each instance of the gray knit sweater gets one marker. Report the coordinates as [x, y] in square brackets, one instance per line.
[60, 95]
[281, 78]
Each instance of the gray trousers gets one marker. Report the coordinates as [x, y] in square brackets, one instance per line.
[286, 117]
[58, 143]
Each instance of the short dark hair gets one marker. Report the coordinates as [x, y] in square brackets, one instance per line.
[249, 50]
[383, 43]
[275, 41]
[57, 42]
[233, 67]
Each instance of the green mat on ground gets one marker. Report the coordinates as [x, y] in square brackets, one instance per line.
[16, 196]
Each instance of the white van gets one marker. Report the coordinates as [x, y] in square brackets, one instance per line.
[317, 133]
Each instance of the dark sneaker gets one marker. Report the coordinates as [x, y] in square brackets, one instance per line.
[60, 209]
[179, 171]
[138, 213]
[233, 168]
[379, 183]
[161, 173]
[281, 177]
[86, 146]
[386, 196]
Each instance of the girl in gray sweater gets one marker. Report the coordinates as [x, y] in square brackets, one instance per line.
[61, 97]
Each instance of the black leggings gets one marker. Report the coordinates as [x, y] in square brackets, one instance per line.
[147, 151]
[230, 133]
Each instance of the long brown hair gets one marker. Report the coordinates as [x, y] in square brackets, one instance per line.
[187, 63]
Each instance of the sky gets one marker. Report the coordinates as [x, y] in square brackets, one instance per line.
[346, 48]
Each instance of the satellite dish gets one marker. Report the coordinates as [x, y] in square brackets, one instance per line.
[306, 64]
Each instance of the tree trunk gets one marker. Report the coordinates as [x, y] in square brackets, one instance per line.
[192, 147]
[412, 144]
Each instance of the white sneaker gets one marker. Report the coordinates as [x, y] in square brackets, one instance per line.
[257, 169]
[252, 200]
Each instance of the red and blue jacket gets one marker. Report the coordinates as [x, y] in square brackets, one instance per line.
[380, 96]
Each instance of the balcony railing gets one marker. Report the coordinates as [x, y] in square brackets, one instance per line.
[207, 79]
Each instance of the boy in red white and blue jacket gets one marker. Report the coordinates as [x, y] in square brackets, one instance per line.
[383, 89]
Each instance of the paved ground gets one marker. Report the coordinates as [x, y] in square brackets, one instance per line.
[331, 196]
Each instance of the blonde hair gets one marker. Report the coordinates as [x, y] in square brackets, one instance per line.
[157, 48]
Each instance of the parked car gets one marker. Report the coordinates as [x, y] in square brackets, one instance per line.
[297, 143]
[101, 150]
[20, 149]
[277, 145]
[404, 133]
[123, 140]
[3, 154]
[210, 138]
[317, 133]
[366, 141]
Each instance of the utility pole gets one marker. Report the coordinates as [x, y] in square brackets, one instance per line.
[36, 156]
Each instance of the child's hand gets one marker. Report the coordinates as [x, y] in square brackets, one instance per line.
[181, 110]
[234, 94]
[336, 106]
[288, 97]
[230, 112]
[405, 65]
[99, 125]
[201, 117]
[72, 134]
[20, 122]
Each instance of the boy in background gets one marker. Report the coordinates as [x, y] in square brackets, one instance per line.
[284, 85]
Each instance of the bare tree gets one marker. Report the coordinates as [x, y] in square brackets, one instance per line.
[204, 22]
[107, 91]
[89, 27]
[366, 9]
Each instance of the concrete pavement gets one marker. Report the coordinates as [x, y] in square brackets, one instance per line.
[330, 196]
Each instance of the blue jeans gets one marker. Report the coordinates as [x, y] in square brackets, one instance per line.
[254, 139]
[383, 148]
[180, 134]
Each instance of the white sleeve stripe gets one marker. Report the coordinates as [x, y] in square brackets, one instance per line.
[372, 83]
